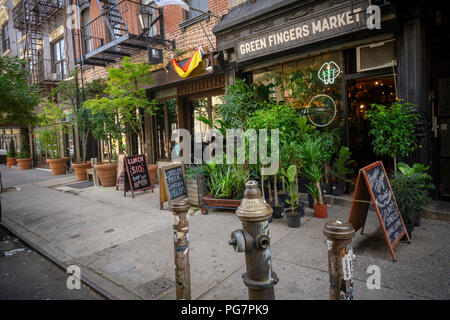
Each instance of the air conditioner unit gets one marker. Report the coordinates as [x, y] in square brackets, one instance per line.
[376, 55]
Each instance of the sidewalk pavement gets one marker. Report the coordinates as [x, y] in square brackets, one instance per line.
[125, 247]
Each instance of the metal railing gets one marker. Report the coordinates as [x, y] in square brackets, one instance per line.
[116, 24]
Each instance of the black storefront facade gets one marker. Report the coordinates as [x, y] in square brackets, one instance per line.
[404, 59]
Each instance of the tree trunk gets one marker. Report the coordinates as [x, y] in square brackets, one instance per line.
[320, 193]
[395, 163]
[275, 190]
[269, 185]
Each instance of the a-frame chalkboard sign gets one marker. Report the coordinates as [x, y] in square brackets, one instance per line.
[136, 174]
[373, 184]
[172, 186]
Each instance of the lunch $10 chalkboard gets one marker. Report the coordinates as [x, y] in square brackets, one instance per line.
[373, 184]
[137, 177]
[173, 186]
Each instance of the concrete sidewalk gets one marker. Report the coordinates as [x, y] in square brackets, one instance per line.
[125, 247]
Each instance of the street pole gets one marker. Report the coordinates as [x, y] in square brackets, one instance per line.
[181, 249]
[340, 259]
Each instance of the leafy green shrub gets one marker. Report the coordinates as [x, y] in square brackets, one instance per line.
[393, 129]
[11, 149]
[410, 186]
[341, 165]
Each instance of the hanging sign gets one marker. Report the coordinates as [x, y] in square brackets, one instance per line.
[373, 184]
[328, 72]
[136, 174]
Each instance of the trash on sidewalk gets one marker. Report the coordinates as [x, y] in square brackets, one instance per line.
[13, 252]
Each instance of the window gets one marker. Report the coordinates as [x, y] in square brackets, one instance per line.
[85, 19]
[58, 58]
[196, 4]
[5, 38]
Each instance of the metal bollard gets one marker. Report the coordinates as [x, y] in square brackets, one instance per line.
[255, 242]
[340, 259]
[181, 249]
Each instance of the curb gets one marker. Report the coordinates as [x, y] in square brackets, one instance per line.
[99, 284]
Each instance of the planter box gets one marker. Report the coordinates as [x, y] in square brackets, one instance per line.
[228, 203]
[194, 191]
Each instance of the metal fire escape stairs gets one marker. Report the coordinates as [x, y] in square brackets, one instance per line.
[31, 17]
[121, 40]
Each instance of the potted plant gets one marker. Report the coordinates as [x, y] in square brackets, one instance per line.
[393, 129]
[294, 211]
[23, 157]
[313, 162]
[341, 170]
[53, 127]
[194, 177]
[330, 145]
[11, 160]
[411, 187]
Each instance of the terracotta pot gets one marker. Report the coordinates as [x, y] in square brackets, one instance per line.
[24, 164]
[152, 168]
[107, 173]
[58, 166]
[80, 169]
[320, 211]
[11, 162]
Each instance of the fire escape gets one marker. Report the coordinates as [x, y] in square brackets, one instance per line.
[31, 17]
[121, 29]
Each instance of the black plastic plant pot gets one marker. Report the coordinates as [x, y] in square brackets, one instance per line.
[337, 189]
[409, 229]
[300, 209]
[302, 185]
[326, 188]
[293, 220]
[417, 221]
[310, 201]
[282, 197]
[278, 212]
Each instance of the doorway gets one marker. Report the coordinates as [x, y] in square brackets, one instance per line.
[362, 93]
[442, 134]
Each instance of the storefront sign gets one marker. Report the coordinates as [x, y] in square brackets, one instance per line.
[332, 22]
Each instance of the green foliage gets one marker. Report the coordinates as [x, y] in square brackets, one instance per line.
[24, 152]
[291, 177]
[241, 101]
[226, 180]
[193, 170]
[17, 98]
[410, 187]
[11, 149]
[52, 126]
[314, 159]
[393, 129]
[124, 103]
[340, 168]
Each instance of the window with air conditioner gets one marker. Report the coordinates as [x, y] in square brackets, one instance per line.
[376, 55]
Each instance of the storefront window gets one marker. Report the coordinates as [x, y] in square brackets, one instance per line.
[312, 85]
[166, 122]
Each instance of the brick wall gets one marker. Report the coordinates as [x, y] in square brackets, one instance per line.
[187, 40]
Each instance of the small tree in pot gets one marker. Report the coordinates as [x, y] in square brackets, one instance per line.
[23, 157]
[292, 214]
[52, 122]
[313, 163]
[11, 153]
[341, 171]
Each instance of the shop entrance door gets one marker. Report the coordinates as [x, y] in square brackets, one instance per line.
[442, 133]
[362, 93]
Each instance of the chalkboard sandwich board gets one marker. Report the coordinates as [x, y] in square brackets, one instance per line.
[373, 184]
[136, 172]
[172, 184]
